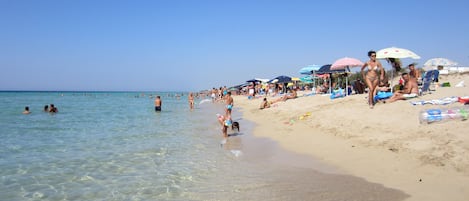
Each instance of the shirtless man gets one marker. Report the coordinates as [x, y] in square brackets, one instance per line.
[158, 103]
[410, 90]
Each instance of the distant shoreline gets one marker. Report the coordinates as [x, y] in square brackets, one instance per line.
[97, 91]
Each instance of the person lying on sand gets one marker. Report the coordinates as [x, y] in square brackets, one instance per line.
[291, 95]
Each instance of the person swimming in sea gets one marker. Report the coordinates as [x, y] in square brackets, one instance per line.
[53, 109]
[26, 110]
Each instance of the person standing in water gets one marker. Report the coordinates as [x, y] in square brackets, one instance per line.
[229, 103]
[191, 100]
[158, 104]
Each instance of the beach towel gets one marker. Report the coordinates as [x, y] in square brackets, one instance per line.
[443, 101]
[337, 94]
[464, 99]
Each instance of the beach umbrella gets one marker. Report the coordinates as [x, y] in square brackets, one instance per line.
[346, 63]
[281, 79]
[435, 62]
[258, 80]
[395, 52]
[306, 79]
[308, 70]
[326, 69]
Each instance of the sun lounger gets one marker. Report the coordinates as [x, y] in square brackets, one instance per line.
[429, 79]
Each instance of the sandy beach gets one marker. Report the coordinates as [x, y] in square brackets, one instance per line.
[385, 145]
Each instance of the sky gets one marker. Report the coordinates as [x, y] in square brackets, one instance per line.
[184, 45]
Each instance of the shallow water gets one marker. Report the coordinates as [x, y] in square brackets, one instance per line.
[114, 146]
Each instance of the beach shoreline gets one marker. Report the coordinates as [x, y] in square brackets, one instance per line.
[384, 145]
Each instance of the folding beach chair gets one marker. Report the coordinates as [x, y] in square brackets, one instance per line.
[428, 81]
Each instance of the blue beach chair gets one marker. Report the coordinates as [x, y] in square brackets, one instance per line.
[429, 79]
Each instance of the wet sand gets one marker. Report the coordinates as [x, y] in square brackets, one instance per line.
[262, 170]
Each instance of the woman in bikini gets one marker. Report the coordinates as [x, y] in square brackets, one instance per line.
[374, 68]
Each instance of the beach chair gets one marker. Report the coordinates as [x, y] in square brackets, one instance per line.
[428, 81]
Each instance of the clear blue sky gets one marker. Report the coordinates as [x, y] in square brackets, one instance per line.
[194, 45]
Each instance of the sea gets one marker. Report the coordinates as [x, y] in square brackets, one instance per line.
[114, 146]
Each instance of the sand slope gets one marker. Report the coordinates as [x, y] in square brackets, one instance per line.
[385, 145]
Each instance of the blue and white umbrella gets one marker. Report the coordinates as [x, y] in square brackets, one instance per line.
[440, 62]
[308, 70]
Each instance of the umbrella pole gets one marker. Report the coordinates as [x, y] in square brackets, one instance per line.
[392, 78]
[346, 85]
[314, 80]
[346, 81]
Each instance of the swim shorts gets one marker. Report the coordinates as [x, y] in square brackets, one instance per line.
[157, 108]
[409, 95]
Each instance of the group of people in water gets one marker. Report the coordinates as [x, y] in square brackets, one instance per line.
[47, 108]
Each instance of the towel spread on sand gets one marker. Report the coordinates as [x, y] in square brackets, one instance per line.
[443, 101]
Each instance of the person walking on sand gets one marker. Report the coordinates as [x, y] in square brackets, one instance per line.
[371, 76]
[191, 100]
[158, 104]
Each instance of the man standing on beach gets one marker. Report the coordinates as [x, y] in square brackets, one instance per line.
[158, 103]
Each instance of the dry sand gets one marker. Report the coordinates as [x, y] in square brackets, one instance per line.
[385, 145]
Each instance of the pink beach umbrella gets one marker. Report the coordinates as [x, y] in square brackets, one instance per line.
[346, 62]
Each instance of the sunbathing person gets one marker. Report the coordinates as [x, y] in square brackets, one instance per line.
[324, 88]
[410, 90]
[291, 95]
[383, 86]
[265, 104]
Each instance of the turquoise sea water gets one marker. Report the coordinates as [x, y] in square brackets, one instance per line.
[114, 146]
